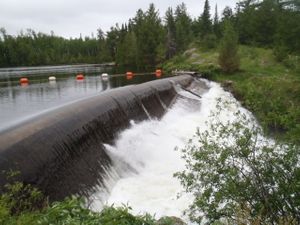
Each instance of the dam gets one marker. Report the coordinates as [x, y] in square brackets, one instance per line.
[119, 146]
[62, 151]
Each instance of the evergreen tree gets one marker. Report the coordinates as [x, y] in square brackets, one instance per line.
[205, 21]
[227, 13]
[265, 22]
[112, 41]
[183, 27]
[245, 21]
[150, 34]
[228, 54]
[216, 17]
[216, 24]
[171, 34]
[126, 55]
[288, 33]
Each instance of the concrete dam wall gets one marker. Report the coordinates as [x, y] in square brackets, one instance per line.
[62, 151]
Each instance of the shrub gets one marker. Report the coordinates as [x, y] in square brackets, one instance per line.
[24, 204]
[18, 197]
[280, 52]
[234, 172]
[209, 41]
[228, 54]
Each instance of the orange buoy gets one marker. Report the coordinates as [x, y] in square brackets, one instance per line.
[24, 80]
[129, 75]
[158, 73]
[80, 77]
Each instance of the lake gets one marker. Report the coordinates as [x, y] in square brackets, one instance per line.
[19, 102]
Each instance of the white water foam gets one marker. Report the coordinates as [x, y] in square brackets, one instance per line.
[149, 148]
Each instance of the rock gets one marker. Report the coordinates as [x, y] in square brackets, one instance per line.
[227, 85]
[170, 220]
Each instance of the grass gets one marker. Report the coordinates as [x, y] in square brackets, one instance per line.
[270, 89]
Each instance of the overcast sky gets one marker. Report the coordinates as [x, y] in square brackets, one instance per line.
[69, 18]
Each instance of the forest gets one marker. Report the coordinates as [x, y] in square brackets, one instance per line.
[147, 40]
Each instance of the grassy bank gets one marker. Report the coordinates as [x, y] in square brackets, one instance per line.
[270, 89]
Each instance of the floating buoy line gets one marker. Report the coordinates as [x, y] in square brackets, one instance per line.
[24, 81]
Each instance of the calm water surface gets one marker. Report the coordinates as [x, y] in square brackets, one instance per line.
[20, 102]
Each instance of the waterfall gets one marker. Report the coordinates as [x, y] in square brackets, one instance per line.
[62, 151]
[149, 147]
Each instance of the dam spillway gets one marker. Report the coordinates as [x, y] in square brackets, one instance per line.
[62, 151]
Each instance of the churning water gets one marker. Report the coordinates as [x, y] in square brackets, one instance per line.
[149, 150]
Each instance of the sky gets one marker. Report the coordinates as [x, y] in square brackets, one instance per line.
[70, 18]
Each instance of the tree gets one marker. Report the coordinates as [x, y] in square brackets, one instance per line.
[126, 55]
[227, 13]
[216, 23]
[205, 21]
[183, 25]
[150, 34]
[245, 21]
[265, 22]
[228, 53]
[288, 32]
[235, 174]
[171, 34]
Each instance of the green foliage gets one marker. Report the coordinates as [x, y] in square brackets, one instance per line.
[266, 87]
[121, 215]
[228, 56]
[147, 41]
[275, 101]
[209, 41]
[171, 34]
[269, 23]
[280, 53]
[23, 204]
[32, 49]
[18, 197]
[183, 25]
[231, 168]
[126, 52]
[205, 21]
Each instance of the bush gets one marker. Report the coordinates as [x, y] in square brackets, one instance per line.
[275, 101]
[234, 172]
[23, 204]
[228, 55]
[280, 53]
[209, 41]
[18, 197]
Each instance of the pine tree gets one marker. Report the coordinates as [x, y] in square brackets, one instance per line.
[126, 55]
[183, 27]
[265, 22]
[150, 34]
[216, 24]
[228, 54]
[171, 34]
[205, 21]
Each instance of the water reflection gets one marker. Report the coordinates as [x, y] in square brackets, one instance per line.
[21, 101]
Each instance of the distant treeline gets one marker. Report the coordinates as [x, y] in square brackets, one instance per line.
[147, 40]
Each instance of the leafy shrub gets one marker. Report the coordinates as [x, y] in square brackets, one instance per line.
[23, 204]
[121, 215]
[280, 53]
[228, 56]
[232, 170]
[209, 41]
[18, 197]
[275, 101]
